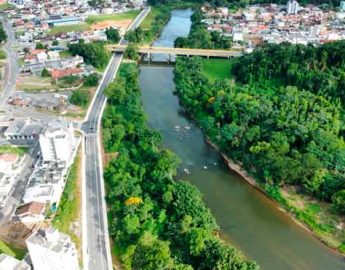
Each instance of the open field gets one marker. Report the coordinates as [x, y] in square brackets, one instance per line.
[14, 150]
[69, 28]
[12, 251]
[112, 17]
[216, 69]
[34, 83]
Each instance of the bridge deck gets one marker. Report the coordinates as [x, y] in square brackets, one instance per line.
[179, 51]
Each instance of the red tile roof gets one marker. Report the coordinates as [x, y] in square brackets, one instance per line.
[59, 73]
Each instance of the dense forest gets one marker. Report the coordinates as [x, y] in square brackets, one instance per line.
[283, 135]
[200, 37]
[155, 221]
[320, 70]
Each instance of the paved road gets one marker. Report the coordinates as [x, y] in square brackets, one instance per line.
[12, 64]
[96, 235]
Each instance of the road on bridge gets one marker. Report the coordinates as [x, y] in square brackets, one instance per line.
[179, 51]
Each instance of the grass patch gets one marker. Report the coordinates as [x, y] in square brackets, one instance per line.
[318, 216]
[2, 55]
[149, 19]
[70, 205]
[69, 208]
[7, 6]
[217, 69]
[13, 150]
[130, 15]
[8, 249]
[69, 28]
[65, 54]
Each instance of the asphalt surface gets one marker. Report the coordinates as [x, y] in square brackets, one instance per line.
[97, 237]
[12, 64]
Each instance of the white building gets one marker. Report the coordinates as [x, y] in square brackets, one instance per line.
[8, 170]
[57, 142]
[10, 263]
[51, 250]
[292, 7]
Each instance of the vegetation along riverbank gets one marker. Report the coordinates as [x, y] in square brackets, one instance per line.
[153, 24]
[287, 136]
[155, 221]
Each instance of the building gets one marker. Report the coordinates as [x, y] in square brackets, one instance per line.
[23, 130]
[30, 213]
[8, 166]
[51, 250]
[57, 141]
[60, 73]
[292, 7]
[10, 263]
[57, 20]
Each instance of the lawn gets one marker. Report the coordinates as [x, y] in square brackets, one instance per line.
[130, 15]
[12, 251]
[216, 69]
[65, 54]
[2, 55]
[69, 28]
[14, 150]
[35, 83]
[68, 213]
[7, 6]
[147, 22]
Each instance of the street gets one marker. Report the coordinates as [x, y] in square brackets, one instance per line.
[97, 254]
[12, 69]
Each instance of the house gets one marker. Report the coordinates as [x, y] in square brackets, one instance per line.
[30, 213]
[41, 57]
[54, 55]
[60, 73]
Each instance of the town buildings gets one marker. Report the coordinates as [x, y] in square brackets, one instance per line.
[52, 250]
[272, 23]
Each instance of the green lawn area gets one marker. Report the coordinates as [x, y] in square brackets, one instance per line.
[7, 6]
[147, 22]
[12, 251]
[2, 54]
[65, 54]
[70, 205]
[15, 150]
[69, 28]
[216, 69]
[130, 15]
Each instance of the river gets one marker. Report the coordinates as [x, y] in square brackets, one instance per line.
[247, 218]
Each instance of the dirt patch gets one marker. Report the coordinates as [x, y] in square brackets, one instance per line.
[16, 232]
[121, 24]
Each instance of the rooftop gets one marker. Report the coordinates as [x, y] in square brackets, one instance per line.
[51, 239]
[10, 263]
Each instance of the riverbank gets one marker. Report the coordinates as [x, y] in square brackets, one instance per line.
[284, 207]
[155, 221]
[159, 16]
[325, 225]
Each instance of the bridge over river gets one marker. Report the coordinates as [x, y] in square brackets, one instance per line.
[148, 50]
